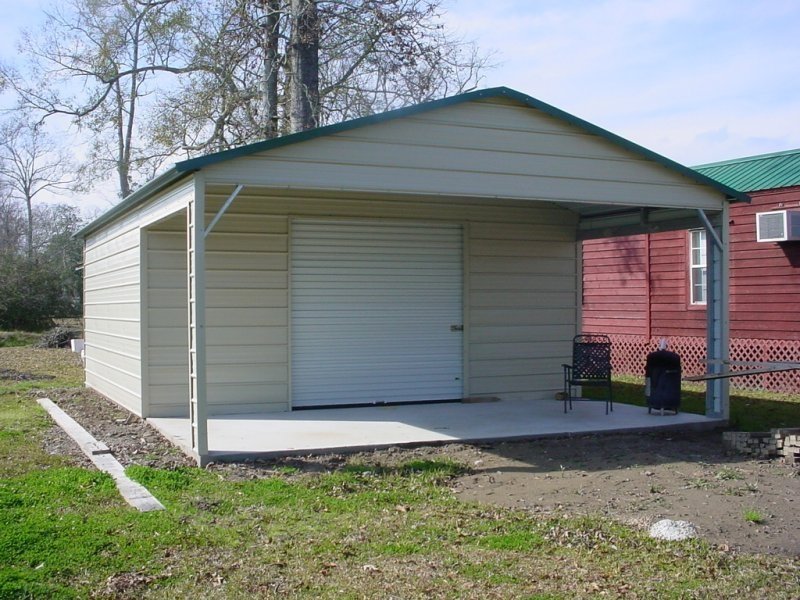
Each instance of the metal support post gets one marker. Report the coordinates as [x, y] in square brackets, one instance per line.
[198, 411]
[717, 390]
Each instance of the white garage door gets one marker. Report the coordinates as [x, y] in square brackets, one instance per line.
[376, 312]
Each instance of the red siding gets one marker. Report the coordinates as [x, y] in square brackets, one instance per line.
[765, 276]
[673, 314]
[764, 280]
[615, 285]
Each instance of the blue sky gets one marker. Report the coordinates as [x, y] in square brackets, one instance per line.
[695, 80]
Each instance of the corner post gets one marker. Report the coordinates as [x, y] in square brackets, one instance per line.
[717, 312]
[196, 270]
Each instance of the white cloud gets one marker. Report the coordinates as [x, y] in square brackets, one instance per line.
[663, 73]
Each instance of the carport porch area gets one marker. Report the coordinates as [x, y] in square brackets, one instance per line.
[287, 274]
[235, 437]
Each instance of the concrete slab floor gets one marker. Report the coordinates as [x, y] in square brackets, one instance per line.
[237, 437]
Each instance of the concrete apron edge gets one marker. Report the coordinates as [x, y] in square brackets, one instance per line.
[222, 456]
[134, 493]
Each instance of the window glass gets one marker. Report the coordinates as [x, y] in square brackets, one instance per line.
[697, 265]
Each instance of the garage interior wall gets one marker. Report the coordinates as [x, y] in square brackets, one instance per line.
[520, 301]
[166, 331]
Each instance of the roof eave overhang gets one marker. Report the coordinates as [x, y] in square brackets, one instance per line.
[152, 187]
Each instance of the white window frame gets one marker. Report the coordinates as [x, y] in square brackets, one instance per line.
[698, 267]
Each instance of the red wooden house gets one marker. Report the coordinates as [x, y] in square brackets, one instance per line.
[644, 287]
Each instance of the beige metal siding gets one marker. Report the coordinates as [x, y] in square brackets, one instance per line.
[520, 278]
[485, 149]
[167, 382]
[247, 312]
[112, 290]
[111, 313]
[246, 316]
[522, 308]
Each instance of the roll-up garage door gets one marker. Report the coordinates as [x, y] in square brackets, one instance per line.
[376, 312]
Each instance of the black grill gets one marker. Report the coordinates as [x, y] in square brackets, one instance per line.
[663, 373]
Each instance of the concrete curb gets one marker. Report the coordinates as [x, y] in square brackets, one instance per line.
[134, 493]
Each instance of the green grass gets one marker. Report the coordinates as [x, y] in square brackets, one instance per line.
[361, 531]
[64, 533]
[13, 339]
[751, 515]
[728, 474]
[750, 411]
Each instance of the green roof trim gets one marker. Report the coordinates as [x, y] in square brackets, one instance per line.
[754, 173]
[182, 168]
[151, 187]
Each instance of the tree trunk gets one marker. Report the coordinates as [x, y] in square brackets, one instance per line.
[270, 77]
[123, 165]
[29, 226]
[304, 45]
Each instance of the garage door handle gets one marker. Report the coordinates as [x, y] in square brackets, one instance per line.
[456, 328]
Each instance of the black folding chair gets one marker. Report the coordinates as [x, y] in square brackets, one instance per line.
[591, 366]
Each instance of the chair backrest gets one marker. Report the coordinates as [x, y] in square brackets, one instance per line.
[591, 357]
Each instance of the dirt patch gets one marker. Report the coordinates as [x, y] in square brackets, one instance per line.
[131, 440]
[641, 478]
[12, 375]
[633, 478]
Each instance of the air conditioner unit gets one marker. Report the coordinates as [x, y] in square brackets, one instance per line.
[778, 226]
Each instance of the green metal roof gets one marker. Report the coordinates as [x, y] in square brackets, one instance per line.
[752, 173]
[184, 167]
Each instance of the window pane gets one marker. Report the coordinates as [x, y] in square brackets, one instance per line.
[703, 279]
[697, 258]
[697, 266]
[698, 284]
[698, 238]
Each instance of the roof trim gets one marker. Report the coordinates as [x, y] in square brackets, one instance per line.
[151, 187]
[182, 168]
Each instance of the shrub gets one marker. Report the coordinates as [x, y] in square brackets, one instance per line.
[57, 337]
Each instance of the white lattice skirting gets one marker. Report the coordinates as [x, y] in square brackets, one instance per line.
[629, 353]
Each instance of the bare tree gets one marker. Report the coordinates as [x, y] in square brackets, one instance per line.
[30, 164]
[371, 56]
[385, 54]
[95, 61]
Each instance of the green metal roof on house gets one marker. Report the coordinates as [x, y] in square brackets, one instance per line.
[753, 173]
[184, 168]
